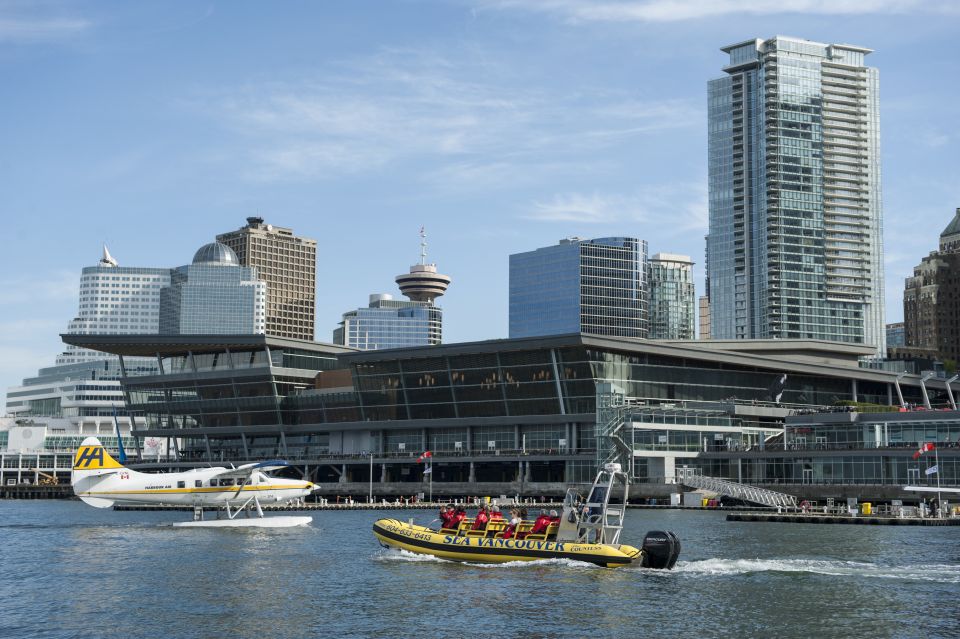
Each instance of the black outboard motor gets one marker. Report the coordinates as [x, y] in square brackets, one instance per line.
[660, 550]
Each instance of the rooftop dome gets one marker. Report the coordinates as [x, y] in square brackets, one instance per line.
[216, 253]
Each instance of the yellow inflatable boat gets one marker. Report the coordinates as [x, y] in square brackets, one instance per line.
[588, 531]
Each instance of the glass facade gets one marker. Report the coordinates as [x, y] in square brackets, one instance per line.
[596, 287]
[672, 297]
[213, 297]
[795, 246]
[390, 323]
[849, 448]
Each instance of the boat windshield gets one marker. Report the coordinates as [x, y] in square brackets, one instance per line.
[572, 497]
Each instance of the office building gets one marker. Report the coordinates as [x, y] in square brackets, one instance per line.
[214, 295]
[80, 395]
[288, 265]
[795, 244]
[672, 297]
[115, 300]
[896, 335]
[704, 318]
[931, 299]
[595, 287]
[390, 323]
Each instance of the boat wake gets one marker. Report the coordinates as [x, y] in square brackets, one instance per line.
[942, 573]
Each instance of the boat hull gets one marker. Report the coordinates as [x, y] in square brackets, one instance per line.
[419, 539]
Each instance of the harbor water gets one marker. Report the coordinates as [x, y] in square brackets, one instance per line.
[73, 571]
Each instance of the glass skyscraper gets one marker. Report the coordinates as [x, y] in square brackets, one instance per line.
[795, 247]
[213, 296]
[593, 286]
[390, 323]
[672, 297]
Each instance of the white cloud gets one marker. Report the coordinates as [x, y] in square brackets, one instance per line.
[23, 30]
[679, 10]
[672, 208]
[405, 105]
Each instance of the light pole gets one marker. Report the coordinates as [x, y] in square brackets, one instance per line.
[923, 387]
[899, 392]
[953, 403]
[370, 497]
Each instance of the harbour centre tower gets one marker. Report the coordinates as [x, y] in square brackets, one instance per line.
[795, 246]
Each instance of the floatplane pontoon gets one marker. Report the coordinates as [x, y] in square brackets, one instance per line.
[588, 531]
[101, 481]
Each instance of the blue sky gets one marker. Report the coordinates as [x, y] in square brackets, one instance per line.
[500, 125]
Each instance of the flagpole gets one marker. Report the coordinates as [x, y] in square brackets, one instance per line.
[936, 462]
[431, 480]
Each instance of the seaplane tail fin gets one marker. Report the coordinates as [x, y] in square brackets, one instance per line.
[92, 463]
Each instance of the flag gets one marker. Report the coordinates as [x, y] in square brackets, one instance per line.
[428, 470]
[925, 448]
[931, 470]
[426, 455]
[776, 390]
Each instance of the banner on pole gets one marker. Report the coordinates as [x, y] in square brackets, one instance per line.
[931, 470]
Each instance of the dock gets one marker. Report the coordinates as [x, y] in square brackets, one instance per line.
[855, 520]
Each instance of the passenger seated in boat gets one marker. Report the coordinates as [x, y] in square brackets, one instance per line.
[515, 520]
[554, 517]
[480, 522]
[541, 524]
[448, 517]
[459, 516]
[495, 513]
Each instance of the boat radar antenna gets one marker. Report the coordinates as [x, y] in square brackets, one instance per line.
[423, 246]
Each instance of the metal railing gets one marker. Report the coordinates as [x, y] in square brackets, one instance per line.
[743, 492]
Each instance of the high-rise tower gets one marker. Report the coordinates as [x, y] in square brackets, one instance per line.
[423, 283]
[115, 300]
[288, 264]
[672, 297]
[795, 246]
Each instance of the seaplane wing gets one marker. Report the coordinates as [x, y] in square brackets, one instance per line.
[101, 481]
[247, 470]
[931, 489]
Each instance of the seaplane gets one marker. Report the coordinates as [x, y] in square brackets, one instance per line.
[101, 481]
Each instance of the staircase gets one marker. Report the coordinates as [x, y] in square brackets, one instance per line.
[742, 492]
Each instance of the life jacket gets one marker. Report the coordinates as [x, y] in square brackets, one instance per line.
[448, 519]
[496, 514]
[460, 516]
[481, 521]
[540, 526]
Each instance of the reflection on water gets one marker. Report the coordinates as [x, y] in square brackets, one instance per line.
[73, 571]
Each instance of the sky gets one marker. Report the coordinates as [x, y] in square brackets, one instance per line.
[500, 126]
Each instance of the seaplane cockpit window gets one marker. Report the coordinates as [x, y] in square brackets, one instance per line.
[181, 484]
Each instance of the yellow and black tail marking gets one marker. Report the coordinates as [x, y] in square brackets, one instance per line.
[94, 458]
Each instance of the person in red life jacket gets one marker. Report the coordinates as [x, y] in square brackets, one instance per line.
[460, 515]
[540, 525]
[447, 517]
[495, 513]
[480, 523]
[515, 520]
[554, 517]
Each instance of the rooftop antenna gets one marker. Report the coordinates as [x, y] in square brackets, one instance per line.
[423, 246]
